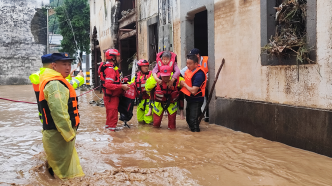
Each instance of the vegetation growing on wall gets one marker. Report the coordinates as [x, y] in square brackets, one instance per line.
[290, 35]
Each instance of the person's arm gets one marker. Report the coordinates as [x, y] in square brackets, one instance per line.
[72, 73]
[177, 72]
[110, 76]
[132, 80]
[57, 95]
[150, 84]
[154, 74]
[193, 90]
[76, 81]
[197, 81]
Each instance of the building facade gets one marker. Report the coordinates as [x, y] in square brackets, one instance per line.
[23, 39]
[282, 102]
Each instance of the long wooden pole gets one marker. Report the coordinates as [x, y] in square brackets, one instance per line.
[211, 91]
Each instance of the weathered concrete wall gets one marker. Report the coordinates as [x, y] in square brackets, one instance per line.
[177, 31]
[23, 39]
[237, 34]
[146, 10]
[102, 15]
[270, 101]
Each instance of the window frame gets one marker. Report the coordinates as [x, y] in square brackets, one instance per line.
[268, 26]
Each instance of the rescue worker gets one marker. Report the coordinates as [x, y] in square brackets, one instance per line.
[111, 86]
[194, 90]
[165, 98]
[58, 103]
[34, 78]
[143, 97]
[76, 81]
[203, 62]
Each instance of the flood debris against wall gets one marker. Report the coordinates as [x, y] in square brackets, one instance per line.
[290, 34]
[23, 40]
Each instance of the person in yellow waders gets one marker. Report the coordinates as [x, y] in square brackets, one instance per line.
[58, 103]
[34, 78]
[143, 98]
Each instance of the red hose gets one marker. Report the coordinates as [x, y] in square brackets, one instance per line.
[17, 101]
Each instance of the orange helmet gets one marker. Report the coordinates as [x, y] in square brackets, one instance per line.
[110, 53]
[142, 62]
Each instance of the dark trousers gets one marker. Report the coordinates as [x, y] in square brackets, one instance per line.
[193, 111]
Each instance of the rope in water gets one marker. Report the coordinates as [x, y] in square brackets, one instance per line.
[36, 103]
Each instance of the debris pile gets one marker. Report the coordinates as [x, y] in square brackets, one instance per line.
[290, 36]
[124, 13]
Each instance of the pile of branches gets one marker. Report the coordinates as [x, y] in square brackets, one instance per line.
[290, 37]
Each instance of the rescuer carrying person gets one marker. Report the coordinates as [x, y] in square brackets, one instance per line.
[143, 97]
[58, 103]
[34, 78]
[165, 97]
[111, 86]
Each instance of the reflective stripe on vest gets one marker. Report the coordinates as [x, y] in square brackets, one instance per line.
[48, 122]
[188, 75]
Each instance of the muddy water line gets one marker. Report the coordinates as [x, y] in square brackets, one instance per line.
[143, 155]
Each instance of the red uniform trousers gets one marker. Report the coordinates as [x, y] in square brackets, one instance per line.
[111, 105]
[171, 120]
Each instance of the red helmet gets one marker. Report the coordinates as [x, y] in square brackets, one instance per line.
[142, 62]
[110, 53]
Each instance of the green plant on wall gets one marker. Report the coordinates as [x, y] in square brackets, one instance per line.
[290, 36]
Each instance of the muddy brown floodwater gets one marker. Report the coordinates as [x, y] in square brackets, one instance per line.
[143, 155]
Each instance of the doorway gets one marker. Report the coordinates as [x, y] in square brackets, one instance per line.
[128, 54]
[153, 45]
[201, 32]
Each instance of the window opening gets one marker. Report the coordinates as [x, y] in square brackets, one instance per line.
[289, 43]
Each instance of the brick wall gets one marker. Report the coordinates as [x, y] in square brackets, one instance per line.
[23, 40]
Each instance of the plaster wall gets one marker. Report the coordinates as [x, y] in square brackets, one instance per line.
[177, 31]
[146, 9]
[237, 39]
[23, 39]
[101, 15]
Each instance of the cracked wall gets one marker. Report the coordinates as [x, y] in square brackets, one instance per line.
[23, 39]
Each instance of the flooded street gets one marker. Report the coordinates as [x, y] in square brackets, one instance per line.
[143, 155]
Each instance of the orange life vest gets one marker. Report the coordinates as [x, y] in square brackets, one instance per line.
[188, 75]
[170, 63]
[140, 80]
[48, 122]
[101, 71]
[36, 89]
[205, 64]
